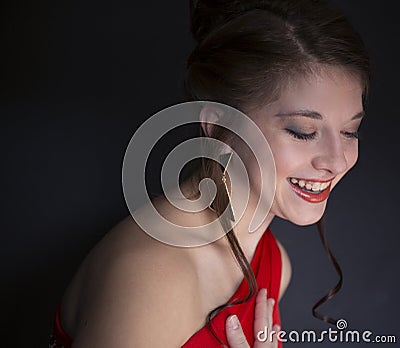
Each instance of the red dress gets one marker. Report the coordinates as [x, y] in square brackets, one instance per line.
[266, 265]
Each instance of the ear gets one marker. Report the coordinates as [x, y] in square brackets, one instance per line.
[208, 116]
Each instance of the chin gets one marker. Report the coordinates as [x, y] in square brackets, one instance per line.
[304, 217]
[306, 222]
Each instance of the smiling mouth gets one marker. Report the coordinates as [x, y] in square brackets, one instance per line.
[311, 190]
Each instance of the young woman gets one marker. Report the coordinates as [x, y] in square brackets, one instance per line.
[300, 72]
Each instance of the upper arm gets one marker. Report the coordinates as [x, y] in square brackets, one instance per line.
[132, 308]
[286, 270]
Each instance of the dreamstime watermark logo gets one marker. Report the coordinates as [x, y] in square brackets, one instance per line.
[341, 335]
[150, 133]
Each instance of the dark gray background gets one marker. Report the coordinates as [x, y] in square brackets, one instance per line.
[79, 77]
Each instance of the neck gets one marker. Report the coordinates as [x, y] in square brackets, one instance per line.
[244, 205]
[249, 240]
[251, 202]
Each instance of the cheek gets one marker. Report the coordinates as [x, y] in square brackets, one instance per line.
[351, 156]
[288, 157]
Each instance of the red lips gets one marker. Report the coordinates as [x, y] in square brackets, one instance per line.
[311, 197]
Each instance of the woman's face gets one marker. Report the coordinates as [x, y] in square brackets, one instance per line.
[312, 132]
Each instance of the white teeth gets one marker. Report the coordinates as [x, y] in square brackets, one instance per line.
[324, 185]
[315, 186]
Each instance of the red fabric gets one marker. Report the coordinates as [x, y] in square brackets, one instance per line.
[59, 337]
[266, 265]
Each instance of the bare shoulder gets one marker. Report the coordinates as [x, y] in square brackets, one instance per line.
[286, 270]
[138, 293]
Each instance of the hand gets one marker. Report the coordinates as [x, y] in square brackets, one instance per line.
[262, 320]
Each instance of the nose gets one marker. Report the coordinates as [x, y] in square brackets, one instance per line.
[331, 155]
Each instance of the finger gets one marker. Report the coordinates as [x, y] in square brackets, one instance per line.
[276, 328]
[270, 305]
[260, 312]
[234, 333]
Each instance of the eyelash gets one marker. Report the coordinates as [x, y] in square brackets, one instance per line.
[310, 136]
[301, 136]
[354, 135]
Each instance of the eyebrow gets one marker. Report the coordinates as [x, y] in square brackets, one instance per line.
[314, 114]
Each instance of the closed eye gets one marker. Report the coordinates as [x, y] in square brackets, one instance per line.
[301, 136]
[351, 135]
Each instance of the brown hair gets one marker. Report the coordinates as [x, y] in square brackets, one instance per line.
[246, 53]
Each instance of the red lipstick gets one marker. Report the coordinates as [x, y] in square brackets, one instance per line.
[309, 196]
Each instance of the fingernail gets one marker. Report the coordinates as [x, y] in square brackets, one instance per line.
[272, 301]
[233, 322]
